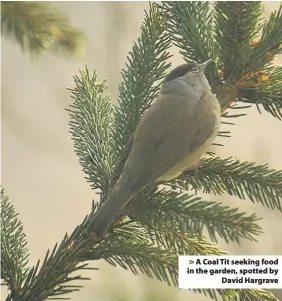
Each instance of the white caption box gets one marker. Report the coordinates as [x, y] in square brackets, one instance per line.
[223, 272]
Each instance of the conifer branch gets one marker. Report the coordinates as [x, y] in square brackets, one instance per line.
[146, 66]
[192, 27]
[162, 264]
[236, 24]
[255, 295]
[245, 54]
[268, 95]
[144, 258]
[188, 213]
[51, 278]
[172, 240]
[14, 252]
[183, 243]
[39, 26]
[193, 23]
[238, 295]
[91, 130]
[243, 179]
[270, 41]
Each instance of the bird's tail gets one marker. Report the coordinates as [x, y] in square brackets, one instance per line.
[108, 212]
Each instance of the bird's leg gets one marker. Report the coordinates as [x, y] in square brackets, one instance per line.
[195, 168]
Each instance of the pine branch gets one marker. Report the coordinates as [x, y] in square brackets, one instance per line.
[236, 24]
[144, 258]
[39, 26]
[146, 66]
[130, 251]
[51, 278]
[156, 262]
[14, 252]
[234, 106]
[270, 42]
[166, 238]
[244, 56]
[230, 113]
[238, 294]
[267, 95]
[90, 126]
[162, 264]
[243, 179]
[188, 213]
[183, 243]
[255, 295]
[192, 27]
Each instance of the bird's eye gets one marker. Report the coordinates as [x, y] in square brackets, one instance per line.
[194, 69]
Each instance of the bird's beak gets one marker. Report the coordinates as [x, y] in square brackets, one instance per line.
[205, 64]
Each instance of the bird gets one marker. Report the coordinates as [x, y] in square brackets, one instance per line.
[171, 137]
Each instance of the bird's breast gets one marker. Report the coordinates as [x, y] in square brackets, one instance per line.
[205, 121]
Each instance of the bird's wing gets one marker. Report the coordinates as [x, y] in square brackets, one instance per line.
[170, 130]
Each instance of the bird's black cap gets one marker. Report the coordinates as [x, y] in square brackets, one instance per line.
[183, 69]
[179, 71]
